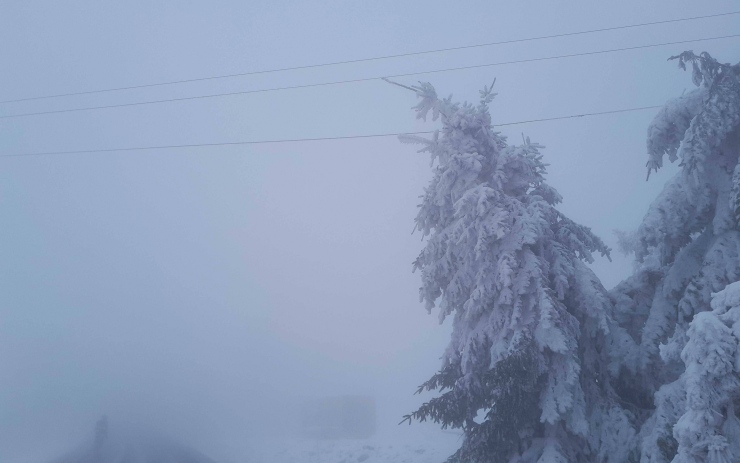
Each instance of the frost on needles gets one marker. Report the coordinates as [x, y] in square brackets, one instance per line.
[544, 365]
[684, 384]
[527, 373]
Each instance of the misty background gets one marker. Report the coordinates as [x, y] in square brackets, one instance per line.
[208, 291]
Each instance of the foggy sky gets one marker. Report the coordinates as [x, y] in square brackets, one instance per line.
[209, 289]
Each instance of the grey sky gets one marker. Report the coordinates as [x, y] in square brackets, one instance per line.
[198, 285]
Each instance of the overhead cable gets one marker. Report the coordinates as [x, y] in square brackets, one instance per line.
[302, 140]
[365, 79]
[374, 58]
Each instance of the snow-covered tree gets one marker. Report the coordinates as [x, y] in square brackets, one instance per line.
[527, 374]
[687, 247]
[709, 430]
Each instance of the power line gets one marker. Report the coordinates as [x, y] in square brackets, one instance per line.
[375, 58]
[301, 140]
[365, 79]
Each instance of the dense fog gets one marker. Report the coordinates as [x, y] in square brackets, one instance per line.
[211, 293]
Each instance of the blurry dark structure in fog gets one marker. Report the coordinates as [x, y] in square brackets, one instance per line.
[131, 445]
[339, 417]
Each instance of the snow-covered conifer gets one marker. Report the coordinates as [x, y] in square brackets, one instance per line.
[709, 430]
[526, 374]
[687, 247]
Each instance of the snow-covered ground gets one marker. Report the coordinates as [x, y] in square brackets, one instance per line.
[402, 448]
[420, 443]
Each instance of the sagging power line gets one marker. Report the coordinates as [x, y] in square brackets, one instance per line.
[364, 79]
[301, 140]
[374, 58]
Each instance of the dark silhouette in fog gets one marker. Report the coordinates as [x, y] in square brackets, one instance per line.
[132, 445]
